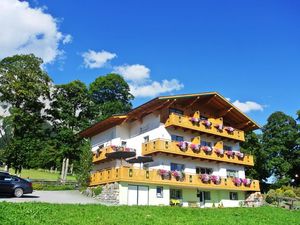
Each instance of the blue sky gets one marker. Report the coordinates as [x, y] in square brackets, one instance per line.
[246, 50]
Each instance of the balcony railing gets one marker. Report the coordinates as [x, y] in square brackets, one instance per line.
[185, 122]
[171, 147]
[141, 176]
[100, 155]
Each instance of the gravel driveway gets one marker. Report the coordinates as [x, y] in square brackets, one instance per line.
[71, 197]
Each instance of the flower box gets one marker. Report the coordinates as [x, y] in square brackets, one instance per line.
[207, 123]
[240, 155]
[206, 149]
[219, 151]
[183, 145]
[195, 120]
[165, 174]
[237, 181]
[247, 182]
[229, 129]
[219, 127]
[215, 179]
[195, 148]
[229, 153]
[178, 175]
[204, 178]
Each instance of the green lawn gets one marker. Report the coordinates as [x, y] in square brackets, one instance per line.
[42, 213]
[37, 174]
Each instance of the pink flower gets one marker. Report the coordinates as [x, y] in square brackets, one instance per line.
[207, 123]
[206, 148]
[183, 145]
[229, 153]
[205, 177]
[194, 120]
[219, 127]
[246, 181]
[219, 151]
[237, 181]
[215, 179]
[229, 129]
[195, 147]
[240, 155]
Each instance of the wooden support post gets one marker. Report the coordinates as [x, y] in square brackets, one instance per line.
[63, 170]
[66, 169]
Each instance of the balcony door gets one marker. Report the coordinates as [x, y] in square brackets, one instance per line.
[203, 197]
[138, 195]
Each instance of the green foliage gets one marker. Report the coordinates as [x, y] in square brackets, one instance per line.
[85, 165]
[23, 87]
[110, 95]
[49, 214]
[45, 187]
[279, 142]
[253, 146]
[284, 191]
[97, 190]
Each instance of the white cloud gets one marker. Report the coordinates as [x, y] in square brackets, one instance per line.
[67, 39]
[27, 30]
[93, 59]
[136, 73]
[248, 106]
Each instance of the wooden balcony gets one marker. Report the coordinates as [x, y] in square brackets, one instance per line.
[170, 147]
[184, 122]
[113, 152]
[141, 176]
[100, 156]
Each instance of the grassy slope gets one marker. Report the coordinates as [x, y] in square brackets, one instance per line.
[41, 213]
[36, 174]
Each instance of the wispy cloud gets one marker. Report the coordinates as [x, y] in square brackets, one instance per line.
[27, 30]
[248, 106]
[93, 59]
[141, 85]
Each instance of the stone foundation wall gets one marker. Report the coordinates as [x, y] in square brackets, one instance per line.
[110, 194]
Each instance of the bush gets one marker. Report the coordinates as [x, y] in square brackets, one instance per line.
[97, 190]
[45, 187]
[289, 193]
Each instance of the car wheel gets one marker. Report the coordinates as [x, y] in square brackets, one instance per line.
[18, 192]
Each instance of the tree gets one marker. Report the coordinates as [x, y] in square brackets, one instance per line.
[253, 146]
[24, 86]
[110, 95]
[279, 142]
[68, 114]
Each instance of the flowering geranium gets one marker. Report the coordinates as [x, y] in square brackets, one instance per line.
[229, 153]
[219, 151]
[219, 127]
[204, 178]
[179, 175]
[206, 149]
[183, 145]
[165, 174]
[215, 179]
[240, 155]
[229, 129]
[237, 181]
[195, 120]
[207, 123]
[195, 147]
[246, 181]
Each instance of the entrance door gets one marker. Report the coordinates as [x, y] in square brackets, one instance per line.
[203, 196]
[138, 195]
[132, 195]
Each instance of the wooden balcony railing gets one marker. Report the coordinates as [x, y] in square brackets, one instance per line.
[141, 176]
[171, 147]
[101, 154]
[184, 122]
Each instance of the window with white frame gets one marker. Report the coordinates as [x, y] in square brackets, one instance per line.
[159, 192]
[233, 196]
[232, 173]
[204, 170]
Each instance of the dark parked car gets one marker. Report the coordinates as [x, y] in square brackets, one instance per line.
[14, 185]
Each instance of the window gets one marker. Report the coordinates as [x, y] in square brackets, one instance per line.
[206, 195]
[178, 167]
[5, 178]
[206, 143]
[176, 193]
[159, 192]
[176, 138]
[175, 111]
[203, 170]
[124, 143]
[233, 196]
[227, 148]
[146, 139]
[203, 118]
[203, 195]
[232, 173]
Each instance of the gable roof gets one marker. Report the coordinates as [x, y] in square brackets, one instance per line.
[213, 99]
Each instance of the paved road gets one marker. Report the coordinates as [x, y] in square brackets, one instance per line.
[71, 197]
